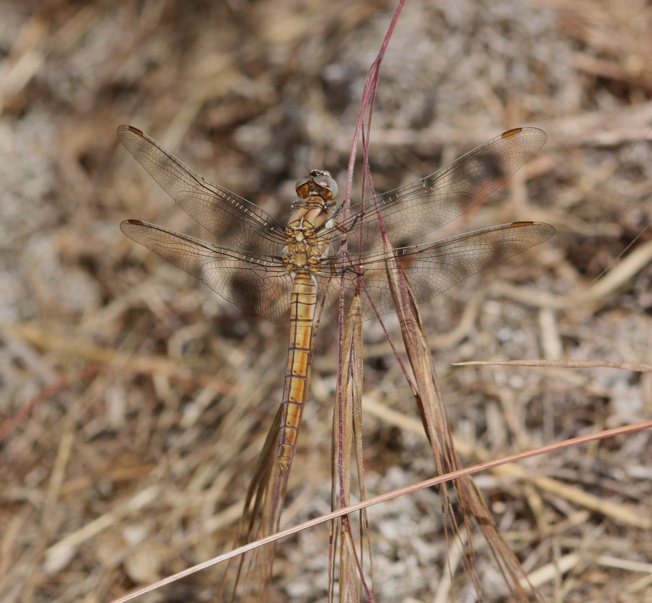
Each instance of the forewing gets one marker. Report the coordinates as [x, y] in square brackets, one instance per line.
[235, 221]
[428, 204]
[256, 284]
[434, 267]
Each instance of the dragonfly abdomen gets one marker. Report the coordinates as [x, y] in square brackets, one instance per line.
[297, 373]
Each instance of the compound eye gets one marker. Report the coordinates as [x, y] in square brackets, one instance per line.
[324, 180]
[303, 187]
[318, 184]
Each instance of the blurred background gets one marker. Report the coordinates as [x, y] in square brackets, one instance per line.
[134, 401]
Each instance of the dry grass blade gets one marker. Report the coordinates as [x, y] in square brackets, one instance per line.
[628, 366]
[437, 427]
[248, 576]
[347, 441]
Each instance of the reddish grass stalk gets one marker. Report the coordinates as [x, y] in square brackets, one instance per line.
[429, 483]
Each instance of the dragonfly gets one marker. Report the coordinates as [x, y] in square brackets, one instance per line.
[283, 272]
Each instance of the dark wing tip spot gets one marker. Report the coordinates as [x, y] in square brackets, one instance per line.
[125, 130]
[511, 132]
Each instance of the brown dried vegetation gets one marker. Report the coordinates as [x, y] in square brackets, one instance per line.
[134, 402]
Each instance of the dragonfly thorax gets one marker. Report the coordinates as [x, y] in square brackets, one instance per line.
[306, 243]
[305, 247]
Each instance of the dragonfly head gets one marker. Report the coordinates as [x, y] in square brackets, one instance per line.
[318, 183]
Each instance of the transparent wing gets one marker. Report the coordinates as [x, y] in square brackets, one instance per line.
[247, 270]
[428, 204]
[433, 267]
[235, 222]
[257, 284]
